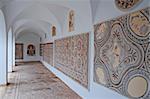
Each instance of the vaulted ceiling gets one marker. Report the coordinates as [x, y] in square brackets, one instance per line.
[37, 16]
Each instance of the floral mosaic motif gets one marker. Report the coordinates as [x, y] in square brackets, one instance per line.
[126, 4]
[122, 56]
[71, 57]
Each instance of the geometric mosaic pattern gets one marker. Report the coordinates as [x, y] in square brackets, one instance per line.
[127, 4]
[71, 57]
[122, 54]
[48, 53]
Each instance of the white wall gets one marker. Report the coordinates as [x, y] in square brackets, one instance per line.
[10, 51]
[26, 39]
[82, 17]
[3, 51]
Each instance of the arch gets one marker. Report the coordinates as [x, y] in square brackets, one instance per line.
[3, 50]
[45, 16]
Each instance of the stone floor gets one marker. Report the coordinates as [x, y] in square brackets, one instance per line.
[34, 81]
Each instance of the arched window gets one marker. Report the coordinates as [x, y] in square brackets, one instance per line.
[31, 50]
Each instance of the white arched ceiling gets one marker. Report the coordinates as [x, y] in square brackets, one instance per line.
[26, 32]
[20, 25]
[52, 14]
[12, 10]
[59, 12]
[28, 29]
[32, 13]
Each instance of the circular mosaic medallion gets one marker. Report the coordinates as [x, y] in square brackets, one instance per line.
[126, 4]
[101, 76]
[139, 24]
[137, 86]
[101, 32]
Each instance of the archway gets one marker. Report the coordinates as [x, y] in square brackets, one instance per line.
[3, 50]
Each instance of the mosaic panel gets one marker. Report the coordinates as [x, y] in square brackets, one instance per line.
[122, 54]
[48, 53]
[31, 50]
[53, 31]
[71, 57]
[41, 49]
[71, 20]
[18, 51]
[127, 4]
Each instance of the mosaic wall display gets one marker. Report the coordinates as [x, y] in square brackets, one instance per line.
[71, 57]
[122, 54]
[18, 51]
[127, 4]
[48, 53]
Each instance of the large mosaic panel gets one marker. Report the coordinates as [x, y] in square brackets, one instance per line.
[122, 54]
[71, 57]
[48, 53]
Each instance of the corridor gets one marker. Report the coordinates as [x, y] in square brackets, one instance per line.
[73, 49]
[33, 81]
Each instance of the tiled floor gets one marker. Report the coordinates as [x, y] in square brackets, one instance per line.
[34, 81]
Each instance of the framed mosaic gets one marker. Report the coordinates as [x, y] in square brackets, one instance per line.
[71, 19]
[126, 5]
[41, 49]
[18, 51]
[48, 53]
[122, 54]
[53, 31]
[71, 57]
[31, 51]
